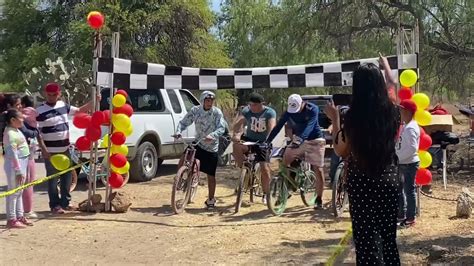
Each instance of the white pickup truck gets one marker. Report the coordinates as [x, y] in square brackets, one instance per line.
[156, 116]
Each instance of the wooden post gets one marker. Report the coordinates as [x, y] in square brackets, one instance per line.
[92, 178]
[114, 54]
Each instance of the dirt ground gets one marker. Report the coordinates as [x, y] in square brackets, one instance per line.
[151, 234]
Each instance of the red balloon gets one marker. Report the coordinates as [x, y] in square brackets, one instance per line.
[83, 143]
[97, 118]
[95, 20]
[425, 142]
[124, 93]
[124, 109]
[106, 120]
[115, 180]
[118, 138]
[423, 177]
[81, 120]
[118, 160]
[93, 133]
[422, 131]
[405, 94]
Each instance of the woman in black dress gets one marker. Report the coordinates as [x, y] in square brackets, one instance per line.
[367, 140]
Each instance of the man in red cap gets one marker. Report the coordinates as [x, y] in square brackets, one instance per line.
[407, 152]
[53, 124]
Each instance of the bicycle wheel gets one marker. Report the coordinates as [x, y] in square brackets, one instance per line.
[339, 193]
[240, 189]
[181, 190]
[307, 190]
[277, 196]
[194, 184]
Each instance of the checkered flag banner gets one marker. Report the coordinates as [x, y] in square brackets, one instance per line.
[127, 74]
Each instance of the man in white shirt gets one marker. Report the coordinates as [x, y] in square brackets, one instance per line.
[53, 124]
[407, 152]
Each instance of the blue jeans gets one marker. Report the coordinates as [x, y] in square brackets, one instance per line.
[14, 202]
[66, 180]
[407, 199]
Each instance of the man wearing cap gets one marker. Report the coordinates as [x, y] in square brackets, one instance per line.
[407, 152]
[53, 124]
[210, 125]
[307, 140]
[259, 120]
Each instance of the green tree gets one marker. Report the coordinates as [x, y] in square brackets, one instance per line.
[169, 32]
[290, 32]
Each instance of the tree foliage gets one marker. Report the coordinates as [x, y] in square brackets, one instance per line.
[169, 32]
[265, 33]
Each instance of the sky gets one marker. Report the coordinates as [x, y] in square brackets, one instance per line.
[215, 5]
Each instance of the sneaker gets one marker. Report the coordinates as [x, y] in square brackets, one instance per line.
[264, 199]
[15, 224]
[31, 215]
[25, 221]
[57, 210]
[407, 223]
[210, 203]
[318, 204]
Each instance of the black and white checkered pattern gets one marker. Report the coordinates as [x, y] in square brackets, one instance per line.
[127, 74]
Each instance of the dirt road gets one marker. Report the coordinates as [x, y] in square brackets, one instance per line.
[150, 234]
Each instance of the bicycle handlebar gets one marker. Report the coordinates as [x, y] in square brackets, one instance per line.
[192, 143]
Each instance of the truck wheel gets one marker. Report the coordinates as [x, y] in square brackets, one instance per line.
[145, 164]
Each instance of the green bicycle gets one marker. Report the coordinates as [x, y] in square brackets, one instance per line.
[301, 179]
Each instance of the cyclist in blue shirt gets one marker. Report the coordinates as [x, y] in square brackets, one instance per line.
[308, 142]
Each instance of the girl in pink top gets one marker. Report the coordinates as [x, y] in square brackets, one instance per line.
[29, 114]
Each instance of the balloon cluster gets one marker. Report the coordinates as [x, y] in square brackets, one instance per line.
[408, 78]
[120, 119]
[121, 114]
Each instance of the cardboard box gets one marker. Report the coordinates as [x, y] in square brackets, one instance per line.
[440, 123]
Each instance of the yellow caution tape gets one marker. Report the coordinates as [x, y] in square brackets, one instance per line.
[38, 181]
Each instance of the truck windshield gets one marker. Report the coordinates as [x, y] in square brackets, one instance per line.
[141, 100]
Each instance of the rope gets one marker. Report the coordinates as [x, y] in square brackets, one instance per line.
[340, 247]
[37, 182]
[437, 198]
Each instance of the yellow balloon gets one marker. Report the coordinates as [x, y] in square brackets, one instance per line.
[425, 159]
[122, 170]
[408, 78]
[422, 117]
[105, 142]
[121, 122]
[60, 161]
[128, 131]
[422, 100]
[120, 149]
[119, 100]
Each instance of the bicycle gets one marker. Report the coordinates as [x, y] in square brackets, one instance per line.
[186, 181]
[301, 179]
[250, 177]
[340, 199]
[101, 166]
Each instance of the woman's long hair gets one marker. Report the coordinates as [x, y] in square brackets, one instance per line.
[372, 122]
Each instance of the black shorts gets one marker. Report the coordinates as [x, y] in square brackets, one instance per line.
[261, 155]
[208, 161]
